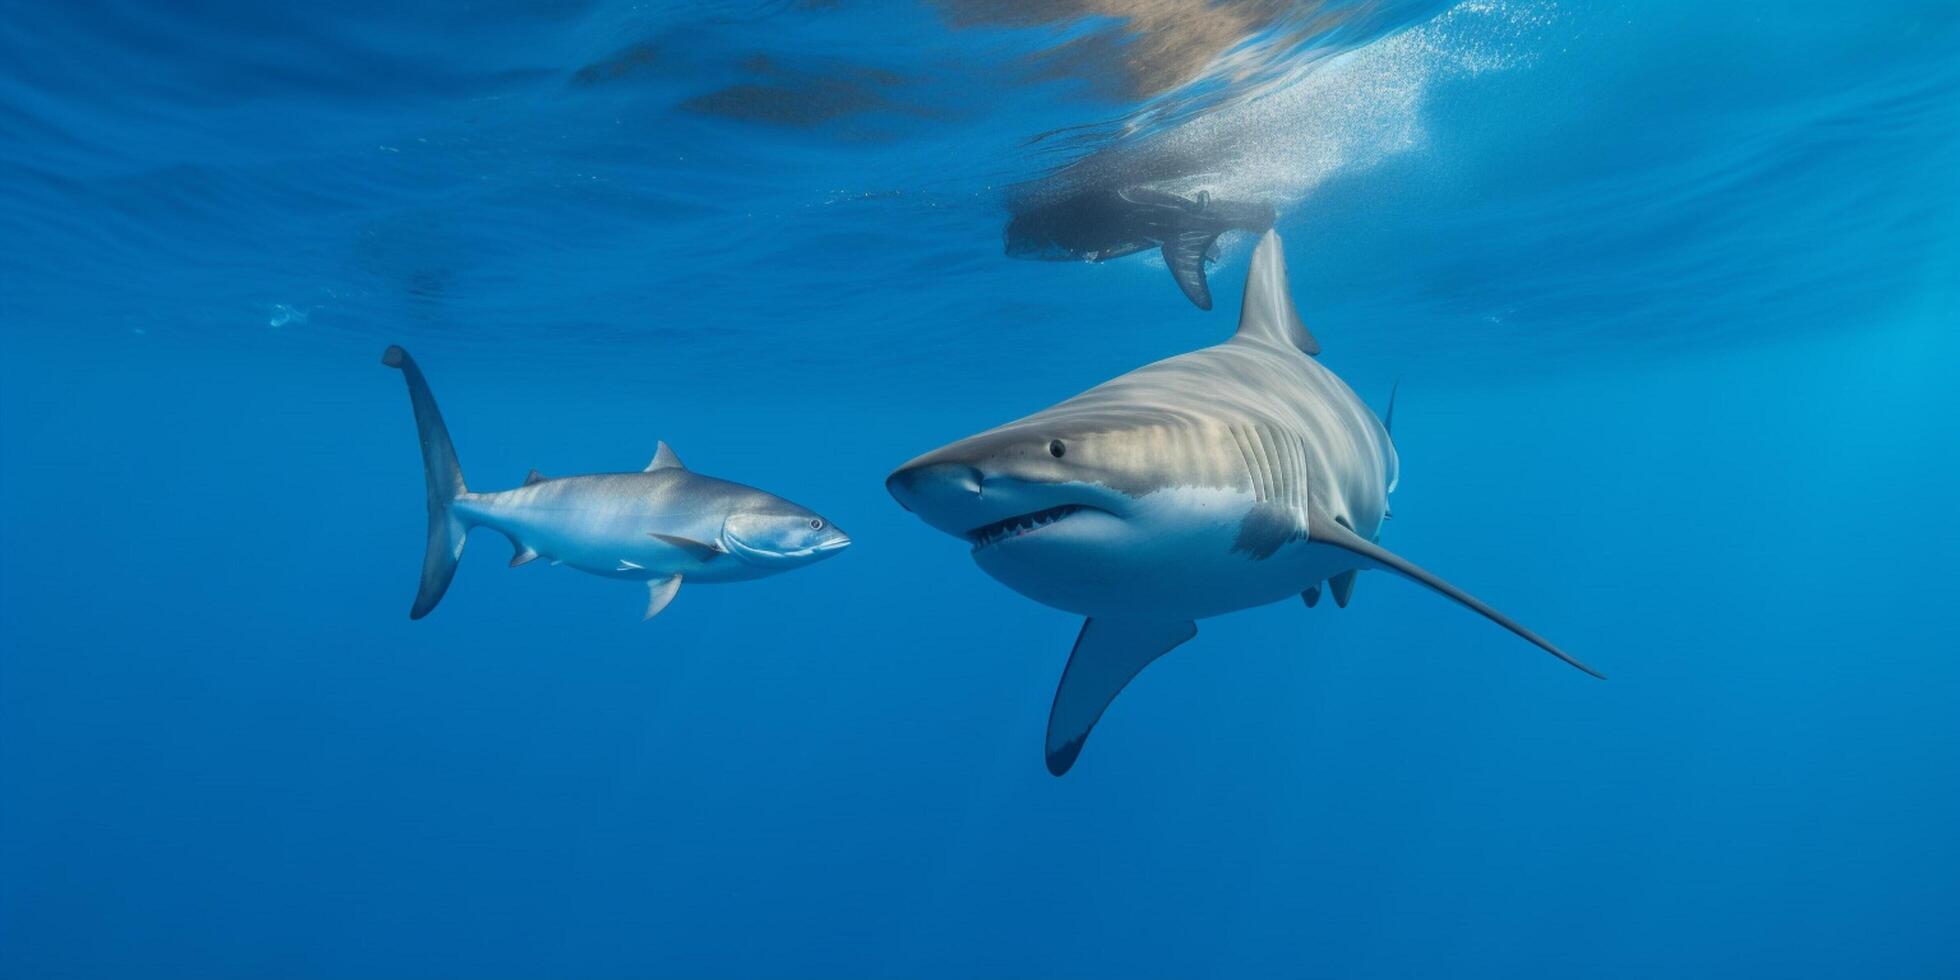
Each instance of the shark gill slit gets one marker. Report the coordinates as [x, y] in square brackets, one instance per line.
[1251, 469]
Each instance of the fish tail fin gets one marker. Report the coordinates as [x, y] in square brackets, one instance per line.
[445, 482]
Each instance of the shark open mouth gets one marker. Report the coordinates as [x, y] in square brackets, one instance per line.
[1014, 527]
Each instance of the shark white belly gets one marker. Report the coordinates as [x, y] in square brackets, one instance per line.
[1225, 478]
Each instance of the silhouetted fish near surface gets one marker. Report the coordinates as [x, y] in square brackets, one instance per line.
[1218, 480]
[1096, 225]
[659, 526]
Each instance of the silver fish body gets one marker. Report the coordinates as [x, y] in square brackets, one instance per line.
[661, 526]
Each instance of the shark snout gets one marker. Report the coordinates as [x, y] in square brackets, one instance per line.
[923, 485]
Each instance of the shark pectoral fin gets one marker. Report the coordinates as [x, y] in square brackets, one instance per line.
[664, 459]
[1342, 586]
[535, 477]
[1185, 254]
[1311, 596]
[1108, 653]
[1376, 556]
[524, 556]
[700, 550]
[660, 592]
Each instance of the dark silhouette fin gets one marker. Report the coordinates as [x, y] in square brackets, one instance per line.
[1152, 197]
[1342, 586]
[444, 477]
[701, 550]
[660, 592]
[664, 459]
[1267, 313]
[1311, 596]
[1185, 255]
[535, 477]
[1376, 556]
[1108, 653]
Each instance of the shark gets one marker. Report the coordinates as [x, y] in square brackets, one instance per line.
[1101, 223]
[1230, 477]
[661, 526]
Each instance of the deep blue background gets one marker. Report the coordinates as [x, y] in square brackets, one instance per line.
[1672, 293]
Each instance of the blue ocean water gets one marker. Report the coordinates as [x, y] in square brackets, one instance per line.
[1670, 289]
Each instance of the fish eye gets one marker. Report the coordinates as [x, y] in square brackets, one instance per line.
[1056, 449]
[816, 523]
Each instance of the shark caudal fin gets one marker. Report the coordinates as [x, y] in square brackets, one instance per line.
[445, 481]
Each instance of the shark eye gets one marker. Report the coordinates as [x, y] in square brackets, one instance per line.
[816, 523]
[1056, 449]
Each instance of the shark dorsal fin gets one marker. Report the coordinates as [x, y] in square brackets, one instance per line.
[535, 477]
[1268, 312]
[664, 458]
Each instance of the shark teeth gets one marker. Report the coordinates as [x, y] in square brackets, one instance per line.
[1016, 526]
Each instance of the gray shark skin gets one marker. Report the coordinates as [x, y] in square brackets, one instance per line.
[660, 526]
[1218, 480]
[1099, 224]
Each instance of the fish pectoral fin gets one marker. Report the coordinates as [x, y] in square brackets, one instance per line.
[701, 550]
[660, 592]
[1342, 586]
[1107, 654]
[1373, 555]
[1185, 254]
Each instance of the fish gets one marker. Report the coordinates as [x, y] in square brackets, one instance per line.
[660, 526]
[1230, 477]
[1097, 224]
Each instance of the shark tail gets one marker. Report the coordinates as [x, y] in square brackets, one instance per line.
[445, 481]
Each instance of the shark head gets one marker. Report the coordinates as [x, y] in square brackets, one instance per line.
[777, 535]
[1066, 505]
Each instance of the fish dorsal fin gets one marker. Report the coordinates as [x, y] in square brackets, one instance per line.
[535, 477]
[664, 459]
[1108, 653]
[1267, 313]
